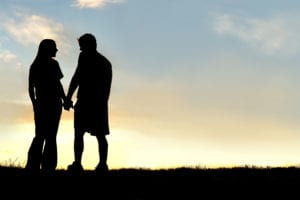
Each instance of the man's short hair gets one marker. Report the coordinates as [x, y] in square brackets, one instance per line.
[87, 41]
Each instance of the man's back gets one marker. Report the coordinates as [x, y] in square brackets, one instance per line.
[95, 75]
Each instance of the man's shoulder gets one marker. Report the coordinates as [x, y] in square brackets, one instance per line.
[104, 59]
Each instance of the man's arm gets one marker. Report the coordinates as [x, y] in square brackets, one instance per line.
[73, 85]
[68, 103]
[108, 82]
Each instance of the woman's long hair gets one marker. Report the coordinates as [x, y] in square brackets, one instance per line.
[47, 49]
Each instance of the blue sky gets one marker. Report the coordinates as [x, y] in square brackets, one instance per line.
[198, 83]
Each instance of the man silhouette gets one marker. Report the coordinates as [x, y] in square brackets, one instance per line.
[92, 77]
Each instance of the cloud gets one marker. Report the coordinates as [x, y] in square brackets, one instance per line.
[273, 35]
[30, 29]
[94, 3]
[7, 56]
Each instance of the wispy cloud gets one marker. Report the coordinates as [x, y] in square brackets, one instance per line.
[30, 29]
[95, 3]
[7, 56]
[273, 35]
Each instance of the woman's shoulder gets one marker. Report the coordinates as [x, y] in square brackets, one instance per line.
[53, 61]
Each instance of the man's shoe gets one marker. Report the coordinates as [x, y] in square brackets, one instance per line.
[75, 168]
[101, 169]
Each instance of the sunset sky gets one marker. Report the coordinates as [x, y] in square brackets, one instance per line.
[206, 83]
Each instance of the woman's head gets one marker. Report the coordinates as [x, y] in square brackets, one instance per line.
[47, 48]
[87, 42]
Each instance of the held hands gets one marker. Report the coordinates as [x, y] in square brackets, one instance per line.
[68, 103]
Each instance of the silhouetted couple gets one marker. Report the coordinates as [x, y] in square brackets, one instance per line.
[92, 78]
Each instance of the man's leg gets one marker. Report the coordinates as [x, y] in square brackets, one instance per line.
[78, 145]
[78, 150]
[103, 151]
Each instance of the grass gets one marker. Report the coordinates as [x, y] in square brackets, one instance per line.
[178, 183]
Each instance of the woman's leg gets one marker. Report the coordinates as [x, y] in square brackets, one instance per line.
[34, 155]
[49, 161]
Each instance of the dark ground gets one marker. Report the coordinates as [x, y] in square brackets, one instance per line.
[142, 184]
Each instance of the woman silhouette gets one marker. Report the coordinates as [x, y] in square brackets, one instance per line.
[46, 94]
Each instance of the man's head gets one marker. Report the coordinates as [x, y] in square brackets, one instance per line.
[87, 42]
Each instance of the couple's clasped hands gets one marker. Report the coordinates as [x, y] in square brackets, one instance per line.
[68, 103]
